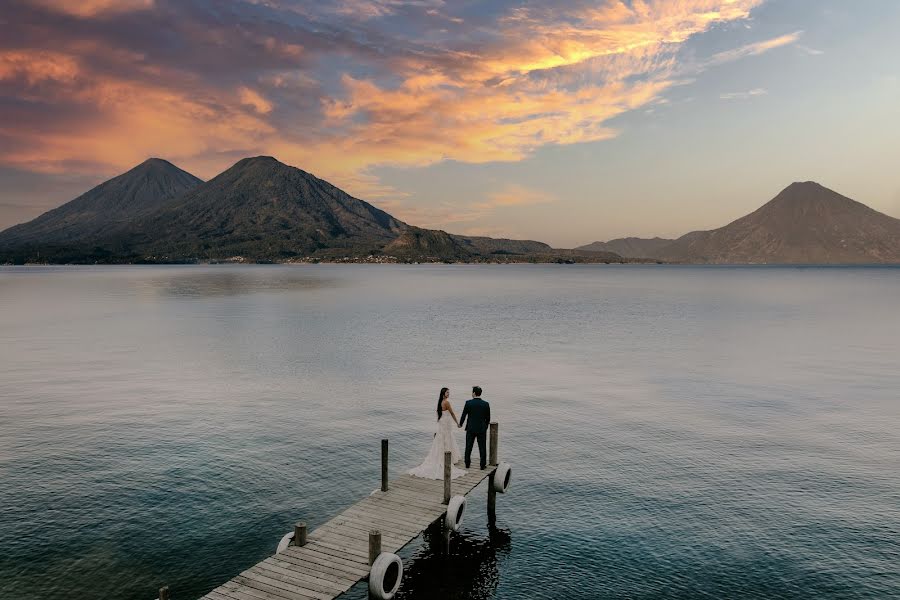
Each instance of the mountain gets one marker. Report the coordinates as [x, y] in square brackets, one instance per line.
[263, 209]
[105, 209]
[428, 244]
[632, 247]
[501, 246]
[805, 223]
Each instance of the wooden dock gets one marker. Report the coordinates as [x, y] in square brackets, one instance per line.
[331, 559]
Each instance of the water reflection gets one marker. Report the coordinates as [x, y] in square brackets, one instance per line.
[470, 571]
[231, 281]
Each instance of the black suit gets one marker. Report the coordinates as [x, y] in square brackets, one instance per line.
[479, 413]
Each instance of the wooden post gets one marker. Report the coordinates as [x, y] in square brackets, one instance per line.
[374, 545]
[164, 593]
[384, 465]
[448, 469]
[491, 499]
[446, 534]
[300, 534]
[494, 441]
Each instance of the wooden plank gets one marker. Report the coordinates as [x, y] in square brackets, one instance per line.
[382, 516]
[306, 567]
[358, 550]
[353, 536]
[275, 589]
[334, 563]
[354, 531]
[371, 521]
[324, 570]
[292, 575]
[285, 583]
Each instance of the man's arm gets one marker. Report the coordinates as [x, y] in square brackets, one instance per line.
[462, 418]
[489, 414]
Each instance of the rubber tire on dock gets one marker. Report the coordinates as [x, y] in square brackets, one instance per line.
[456, 509]
[386, 570]
[502, 477]
[285, 542]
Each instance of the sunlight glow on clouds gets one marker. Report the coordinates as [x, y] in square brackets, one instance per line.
[340, 87]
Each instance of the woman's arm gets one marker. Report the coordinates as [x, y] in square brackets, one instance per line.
[447, 406]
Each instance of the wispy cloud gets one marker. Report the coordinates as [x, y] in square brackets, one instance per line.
[810, 51]
[744, 95]
[753, 49]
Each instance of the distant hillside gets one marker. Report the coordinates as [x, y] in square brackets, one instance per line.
[105, 209]
[428, 244]
[805, 223]
[263, 209]
[632, 247]
[501, 246]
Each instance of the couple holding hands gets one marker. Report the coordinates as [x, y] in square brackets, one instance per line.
[478, 413]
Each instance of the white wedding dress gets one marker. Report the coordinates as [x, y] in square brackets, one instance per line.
[444, 440]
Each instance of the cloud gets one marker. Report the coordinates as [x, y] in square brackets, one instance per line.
[254, 99]
[810, 51]
[753, 49]
[94, 8]
[744, 95]
[340, 87]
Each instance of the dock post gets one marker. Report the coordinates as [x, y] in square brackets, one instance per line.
[384, 465]
[300, 534]
[491, 500]
[448, 469]
[374, 545]
[494, 441]
[164, 593]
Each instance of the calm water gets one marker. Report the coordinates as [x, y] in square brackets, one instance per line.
[675, 432]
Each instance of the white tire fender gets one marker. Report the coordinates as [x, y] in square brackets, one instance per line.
[385, 576]
[456, 509]
[502, 477]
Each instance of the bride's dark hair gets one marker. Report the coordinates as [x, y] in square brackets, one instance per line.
[440, 410]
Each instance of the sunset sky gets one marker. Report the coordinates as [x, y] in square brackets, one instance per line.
[565, 121]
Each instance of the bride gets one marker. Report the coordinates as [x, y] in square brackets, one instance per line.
[433, 467]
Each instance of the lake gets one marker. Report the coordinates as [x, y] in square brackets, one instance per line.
[675, 432]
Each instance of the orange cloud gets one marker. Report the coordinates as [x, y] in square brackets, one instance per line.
[255, 100]
[92, 8]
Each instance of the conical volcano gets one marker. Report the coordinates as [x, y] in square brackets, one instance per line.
[105, 209]
[805, 223]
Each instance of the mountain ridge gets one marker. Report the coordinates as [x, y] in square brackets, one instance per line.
[259, 209]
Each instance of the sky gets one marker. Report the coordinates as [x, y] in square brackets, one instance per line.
[566, 121]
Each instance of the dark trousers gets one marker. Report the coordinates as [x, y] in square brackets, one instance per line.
[471, 436]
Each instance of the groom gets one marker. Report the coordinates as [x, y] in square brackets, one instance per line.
[479, 413]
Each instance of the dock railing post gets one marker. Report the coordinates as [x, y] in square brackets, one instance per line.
[374, 545]
[300, 534]
[164, 593]
[495, 435]
[448, 469]
[384, 465]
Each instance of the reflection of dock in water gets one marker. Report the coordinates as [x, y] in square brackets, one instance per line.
[361, 542]
[471, 570]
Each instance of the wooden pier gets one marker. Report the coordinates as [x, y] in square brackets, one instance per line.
[326, 562]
